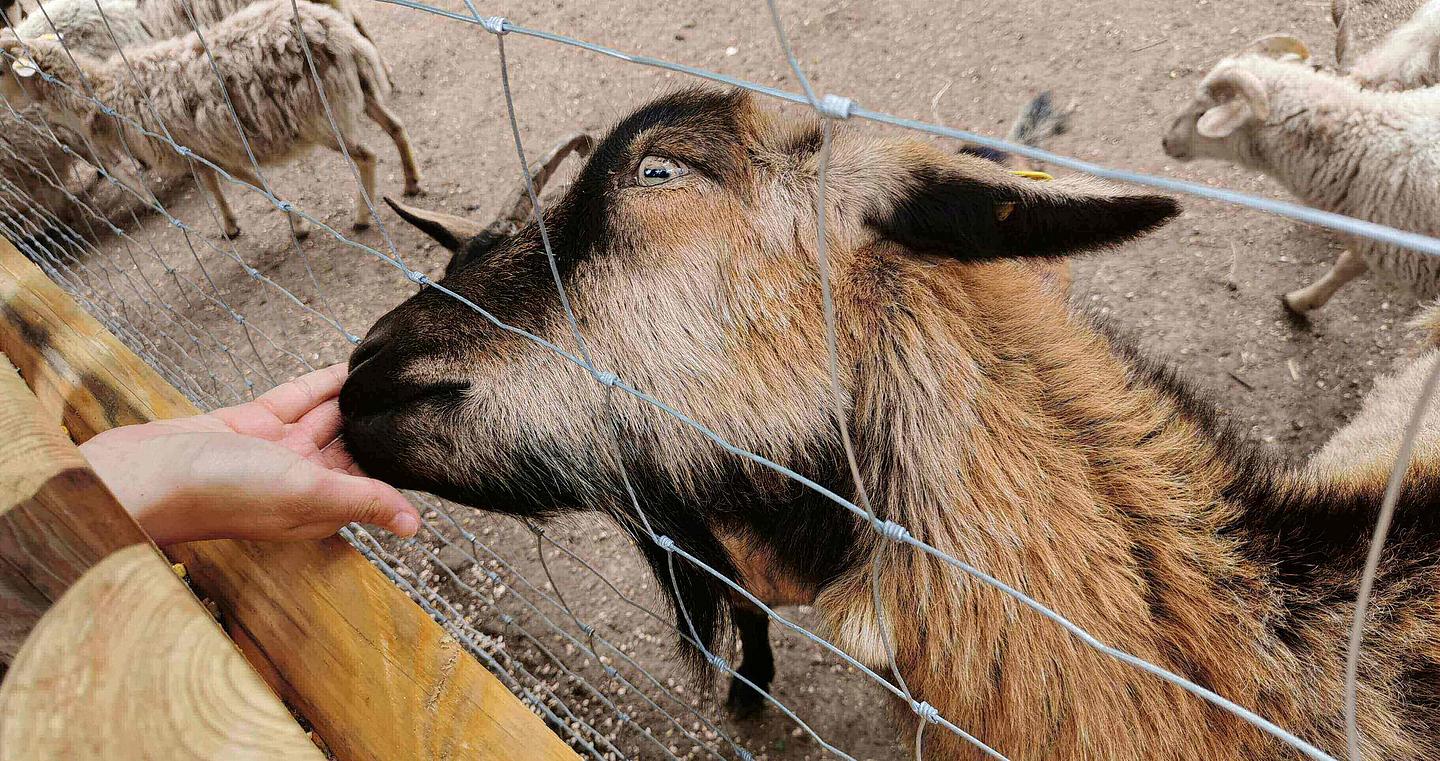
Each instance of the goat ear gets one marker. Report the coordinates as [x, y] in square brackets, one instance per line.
[449, 230]
[992, 214]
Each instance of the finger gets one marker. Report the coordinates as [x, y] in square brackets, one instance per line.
[345, 498]
[289, 401]
[319, 426]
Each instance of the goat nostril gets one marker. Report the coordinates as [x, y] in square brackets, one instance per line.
[380, 386]
[367, 349]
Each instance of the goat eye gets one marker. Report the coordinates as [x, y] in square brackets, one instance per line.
[656, 170]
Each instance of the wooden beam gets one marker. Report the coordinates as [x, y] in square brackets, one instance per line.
[46, 540]
[128, 665]
[377, 677]
[121, 660]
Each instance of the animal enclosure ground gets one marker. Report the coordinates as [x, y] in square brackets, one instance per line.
[1202, 293]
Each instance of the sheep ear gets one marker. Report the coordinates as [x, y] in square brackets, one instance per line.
[1221, 121]
[982, 212]
[449, 230]
[1240, 97]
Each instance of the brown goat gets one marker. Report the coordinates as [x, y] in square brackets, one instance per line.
[988, 420]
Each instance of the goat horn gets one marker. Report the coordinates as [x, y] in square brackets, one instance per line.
[517, 212]
[1228, 82]
[449, 230]
[1279, 46]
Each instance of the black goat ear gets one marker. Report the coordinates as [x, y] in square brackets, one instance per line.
[449, 230]
[973, 210]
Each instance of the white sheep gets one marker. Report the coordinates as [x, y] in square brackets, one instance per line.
[1371, 439]
[264, 69]
[27, 145]
[1361, 24]
[98, 28]
[1370, 155]
[87, 25]
[1408, 58]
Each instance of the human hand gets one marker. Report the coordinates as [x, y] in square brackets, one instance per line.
[272, 469]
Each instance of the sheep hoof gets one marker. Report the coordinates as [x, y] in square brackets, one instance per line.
[414, 190]
[361, 224]
[231, 234]
[744, 701]
[1288, 301]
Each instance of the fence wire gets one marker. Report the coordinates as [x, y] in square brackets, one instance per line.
[573, 671]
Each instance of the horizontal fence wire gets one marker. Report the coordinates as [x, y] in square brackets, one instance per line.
[163, 329]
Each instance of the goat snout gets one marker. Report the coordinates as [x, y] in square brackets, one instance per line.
[381, 381]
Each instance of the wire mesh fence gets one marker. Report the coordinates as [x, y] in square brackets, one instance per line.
[579, 637]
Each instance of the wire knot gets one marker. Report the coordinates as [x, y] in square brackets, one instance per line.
[892, 531]
[507, 619]
[418, 278]
[606, 378]
[285, 206]
[835, 106]
[587, 630]
[717, 662]
[665, 542]
[611, 672]
[186, 152]
[494, 24]
[926, 711]
[745, 755]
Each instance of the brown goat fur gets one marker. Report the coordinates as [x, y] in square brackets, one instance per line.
[994, 424]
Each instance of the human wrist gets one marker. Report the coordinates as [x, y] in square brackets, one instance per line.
[147, 496]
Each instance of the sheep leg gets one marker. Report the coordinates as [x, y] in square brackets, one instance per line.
[364, 160]
[757, 662]
[392, 126]
[1348, 267]
[227, 215]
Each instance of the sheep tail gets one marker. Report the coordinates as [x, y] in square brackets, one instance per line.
[384, 64]
[373, 72]
[1038, 121]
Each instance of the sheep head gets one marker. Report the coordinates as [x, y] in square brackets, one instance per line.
[687, 249]
[28, 62]
[1229, 99]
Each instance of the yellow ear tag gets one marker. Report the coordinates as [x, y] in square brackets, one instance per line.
[1038, 176]
[49, 37]
[1005, 209]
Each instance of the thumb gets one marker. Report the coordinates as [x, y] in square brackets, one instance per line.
[360, 499]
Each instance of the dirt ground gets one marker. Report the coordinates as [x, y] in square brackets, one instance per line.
[1201, 293]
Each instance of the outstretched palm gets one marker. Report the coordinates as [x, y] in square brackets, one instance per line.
[269, 469]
